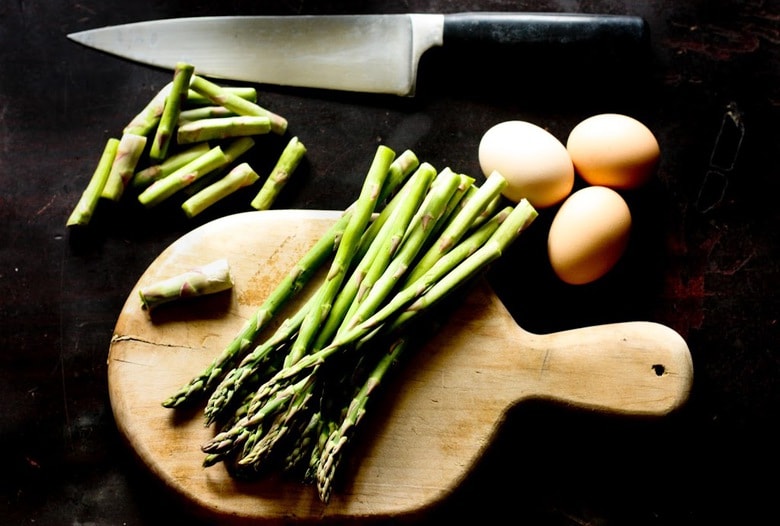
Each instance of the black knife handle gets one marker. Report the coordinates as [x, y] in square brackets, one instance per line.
[544, 30]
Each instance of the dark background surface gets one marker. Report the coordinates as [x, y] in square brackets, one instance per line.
[703, 257]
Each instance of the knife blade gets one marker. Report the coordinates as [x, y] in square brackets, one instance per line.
[361, 53]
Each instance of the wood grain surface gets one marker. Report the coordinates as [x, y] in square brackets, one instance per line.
[431, 424]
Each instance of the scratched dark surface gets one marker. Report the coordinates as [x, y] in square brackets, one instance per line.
[703, 258]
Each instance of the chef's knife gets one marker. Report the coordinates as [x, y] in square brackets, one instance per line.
[366, 53]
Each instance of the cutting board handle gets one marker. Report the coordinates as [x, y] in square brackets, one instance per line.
[634, 367]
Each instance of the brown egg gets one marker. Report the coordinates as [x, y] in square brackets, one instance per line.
[613, 150]
[533, 161]
[588, 234]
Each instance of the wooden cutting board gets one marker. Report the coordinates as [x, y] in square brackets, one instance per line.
[437, 416]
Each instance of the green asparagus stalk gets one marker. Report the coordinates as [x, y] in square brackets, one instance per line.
[233, 150]
[381, 250]
[182, 74]
[186, 175]
[403, 166]
[204, 112]
[128, 153]
[235, 103]
[263, 442]
[520, 217]
[222, 128]
[350, 241]
[245, 92]
[239, 177]
[145, 122]
[206, 279]
[460, 224]
[251, 365]
[310, 439]
[85, 207]
[333, 450]
[378, 285]
[148, 175]
[288, 161]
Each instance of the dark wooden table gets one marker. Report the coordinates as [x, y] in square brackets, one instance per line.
[703, 259]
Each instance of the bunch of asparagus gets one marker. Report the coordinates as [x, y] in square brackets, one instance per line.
[190, 135]
[293, 399]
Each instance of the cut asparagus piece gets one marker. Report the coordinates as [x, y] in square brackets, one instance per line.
[333, 450]
[182, 74]
[145, 122]
[233, 150]
[245, 92]
[204, 112]
[148, 175]
[128, 153]
[233, 102]
[85, 208]
[206, 279]
[364, 208]
[222, 128]
[239, 177]
[184, 176]
[288, 161]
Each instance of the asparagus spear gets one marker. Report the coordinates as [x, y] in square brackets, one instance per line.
[235, 103]
[182, 74]
[186, 175]
[222, 128]
[146, 120]
[288, 161]
[233, 150]
[239, 177]
[460, 224]
[333, 450]
[148, 175]
[82, 212]
[199, 281]
[245, 92]
[361, 216]
[249, 369]
[204, 112]
[380, 284]
[381, 250]
[128, 154]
